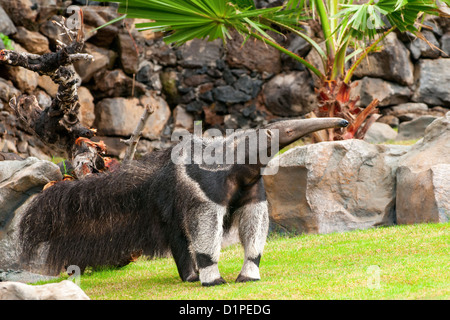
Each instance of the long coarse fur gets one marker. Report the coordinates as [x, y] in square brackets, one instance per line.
[103, 219]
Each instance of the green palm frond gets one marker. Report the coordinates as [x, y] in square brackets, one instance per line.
[189, 19]
[343, 22]
[364, 21]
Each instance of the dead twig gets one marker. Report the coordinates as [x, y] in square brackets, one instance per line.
[136, 135]
[58, 126]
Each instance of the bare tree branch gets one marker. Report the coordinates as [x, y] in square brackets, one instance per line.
[136, 135]
[58, 125]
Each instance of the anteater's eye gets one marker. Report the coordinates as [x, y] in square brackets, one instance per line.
[289, 132]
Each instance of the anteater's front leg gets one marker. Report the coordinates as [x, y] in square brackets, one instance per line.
[253, 229]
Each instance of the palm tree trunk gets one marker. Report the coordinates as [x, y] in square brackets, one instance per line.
[334, 101]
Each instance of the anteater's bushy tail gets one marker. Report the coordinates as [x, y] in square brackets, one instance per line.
[100, 220]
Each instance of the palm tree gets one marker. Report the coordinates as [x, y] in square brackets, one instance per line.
[351, 31]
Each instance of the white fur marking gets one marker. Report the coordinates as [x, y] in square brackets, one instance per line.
[253, 228]
[250, 270]
[209, 274]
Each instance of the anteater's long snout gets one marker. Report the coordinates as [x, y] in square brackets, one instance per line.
[291, 130]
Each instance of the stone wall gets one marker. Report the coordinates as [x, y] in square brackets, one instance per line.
[225, 86]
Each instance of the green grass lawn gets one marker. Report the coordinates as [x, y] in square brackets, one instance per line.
[400, 262]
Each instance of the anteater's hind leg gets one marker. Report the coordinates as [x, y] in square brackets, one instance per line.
[179, 247]
[206, 229]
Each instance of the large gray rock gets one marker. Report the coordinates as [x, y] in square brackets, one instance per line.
[115, 83]
[228, 94]
[413, 110]
[7, 90]
[198, 53]
[414, 129]
[32, 41]
[388, 93]
[253, 55]
[23, 276]
[22, 13]
[409, 111]
[392, 63]
[129, 56]
[103, 59]
[445, 40]
[334, 186]
[64, 290]
[7, 27]
[433, 82]
[423, 184]
[290, 94]
[19, 180]
[86, 114]
[419, 48]
[120, 116]
[380, 132]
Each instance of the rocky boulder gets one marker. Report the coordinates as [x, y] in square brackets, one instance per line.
[64, 290]
[380, 132]
[86, 114]
[229, 94]
[7, 27]
[104, 59]
[22, 13]
[423, 181]
[345, 185]
[129, 54]
[391, 63]
[420, 48]
[198, 53]
[334, 186]
[414, 129]
[115, 83]
[32, 41]
[290, 94]
[409, 111]
[19, 180]
[388, 93]
[445, 40]
[120, 116]
[433, 82]
[253, 55]
[7, 90]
